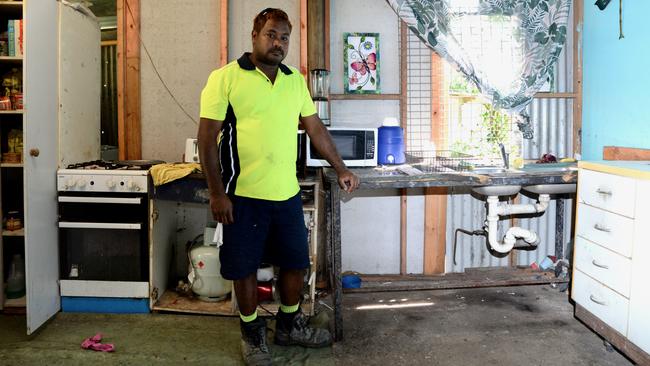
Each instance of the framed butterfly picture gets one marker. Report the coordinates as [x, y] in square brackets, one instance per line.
[361, 63]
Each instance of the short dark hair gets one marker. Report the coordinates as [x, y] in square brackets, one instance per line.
[270, 13]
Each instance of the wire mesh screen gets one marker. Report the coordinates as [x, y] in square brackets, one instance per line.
[419, 95]
[445, 111]
[474, 126]
[440, 161]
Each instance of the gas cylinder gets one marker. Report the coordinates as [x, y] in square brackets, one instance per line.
[205, 268]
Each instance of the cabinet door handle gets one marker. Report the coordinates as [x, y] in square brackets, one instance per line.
[604, 192]
[602, 228]
[603, 266]
[599, 302]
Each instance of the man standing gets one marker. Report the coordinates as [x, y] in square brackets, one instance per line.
[256, 103]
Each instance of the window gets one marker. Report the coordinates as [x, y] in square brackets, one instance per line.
[447, 112]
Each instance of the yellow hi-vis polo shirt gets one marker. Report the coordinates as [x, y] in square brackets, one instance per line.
[257, 147]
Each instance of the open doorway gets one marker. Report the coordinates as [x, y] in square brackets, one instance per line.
[106, 12]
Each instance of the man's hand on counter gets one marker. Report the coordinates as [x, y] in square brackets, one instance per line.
[348, 181]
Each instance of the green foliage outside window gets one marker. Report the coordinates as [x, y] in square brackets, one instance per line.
[460, 85]
[494, 127]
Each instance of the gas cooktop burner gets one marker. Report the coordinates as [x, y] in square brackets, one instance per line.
[97, 164]
[115, 165]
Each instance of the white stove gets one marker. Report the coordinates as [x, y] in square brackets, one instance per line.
[104, 214]
[86, 180]
[102, 176]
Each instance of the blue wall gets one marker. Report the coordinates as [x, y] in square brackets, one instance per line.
[616, 78]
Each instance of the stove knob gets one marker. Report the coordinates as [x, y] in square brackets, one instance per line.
[111, 183]
[81, 182]
[70, 183]
[133, 186]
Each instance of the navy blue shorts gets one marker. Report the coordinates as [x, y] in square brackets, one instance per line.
[264, 232]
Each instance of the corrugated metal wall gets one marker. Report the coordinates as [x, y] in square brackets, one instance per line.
[553, 125]
[553, 133]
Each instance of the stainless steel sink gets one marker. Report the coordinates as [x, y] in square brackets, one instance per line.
[551, 188]
[535, 168]
[495, 171]
[497, 190]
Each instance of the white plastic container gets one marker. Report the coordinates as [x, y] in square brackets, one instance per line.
[205, 268]
[16, 279]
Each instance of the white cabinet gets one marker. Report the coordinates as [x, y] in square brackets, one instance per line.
[34, 179]
[639, 324]
[48, 115]
[11, 167]
[612, 253]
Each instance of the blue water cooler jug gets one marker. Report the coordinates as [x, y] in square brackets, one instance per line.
[391, 143]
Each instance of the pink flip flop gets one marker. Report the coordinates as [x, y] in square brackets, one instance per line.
[94, 343]
[102, 347]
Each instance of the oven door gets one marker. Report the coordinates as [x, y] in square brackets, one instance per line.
[103, 238]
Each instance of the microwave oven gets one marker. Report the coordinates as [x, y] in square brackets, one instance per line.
[357, 147]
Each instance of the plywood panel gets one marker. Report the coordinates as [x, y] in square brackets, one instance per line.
[368, 16]
[183, 41]
[79, 86]
[625, 153]
[365, 248]
[366, 113]
[239, 37]
[172, 301]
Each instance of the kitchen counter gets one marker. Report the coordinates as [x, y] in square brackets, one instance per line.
[193, 189]
[372, 178]
[632, 169]
[377, 178]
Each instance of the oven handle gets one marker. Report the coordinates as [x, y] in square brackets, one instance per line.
[77, 199]
[98, 225]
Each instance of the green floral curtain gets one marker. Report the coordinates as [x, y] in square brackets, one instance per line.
[537, 28]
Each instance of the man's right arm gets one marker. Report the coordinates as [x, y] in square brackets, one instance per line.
[220, 204]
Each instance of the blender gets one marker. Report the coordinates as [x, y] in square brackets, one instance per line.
[320, 89]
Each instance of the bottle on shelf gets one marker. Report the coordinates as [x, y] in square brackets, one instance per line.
[13, 221]
[16, 279]
[14, 147]
[12, 82]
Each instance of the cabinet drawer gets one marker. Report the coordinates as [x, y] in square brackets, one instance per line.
[610, 268]
[601, 301]
[609, 192]
[614, 232]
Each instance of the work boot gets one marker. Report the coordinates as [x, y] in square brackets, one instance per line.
[254, 349]
[293, 329]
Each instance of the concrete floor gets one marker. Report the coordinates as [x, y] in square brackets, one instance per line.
[528, 325]
[523, 325]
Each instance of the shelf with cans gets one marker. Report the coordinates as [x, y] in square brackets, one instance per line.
[12, 248]
[205, 292]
